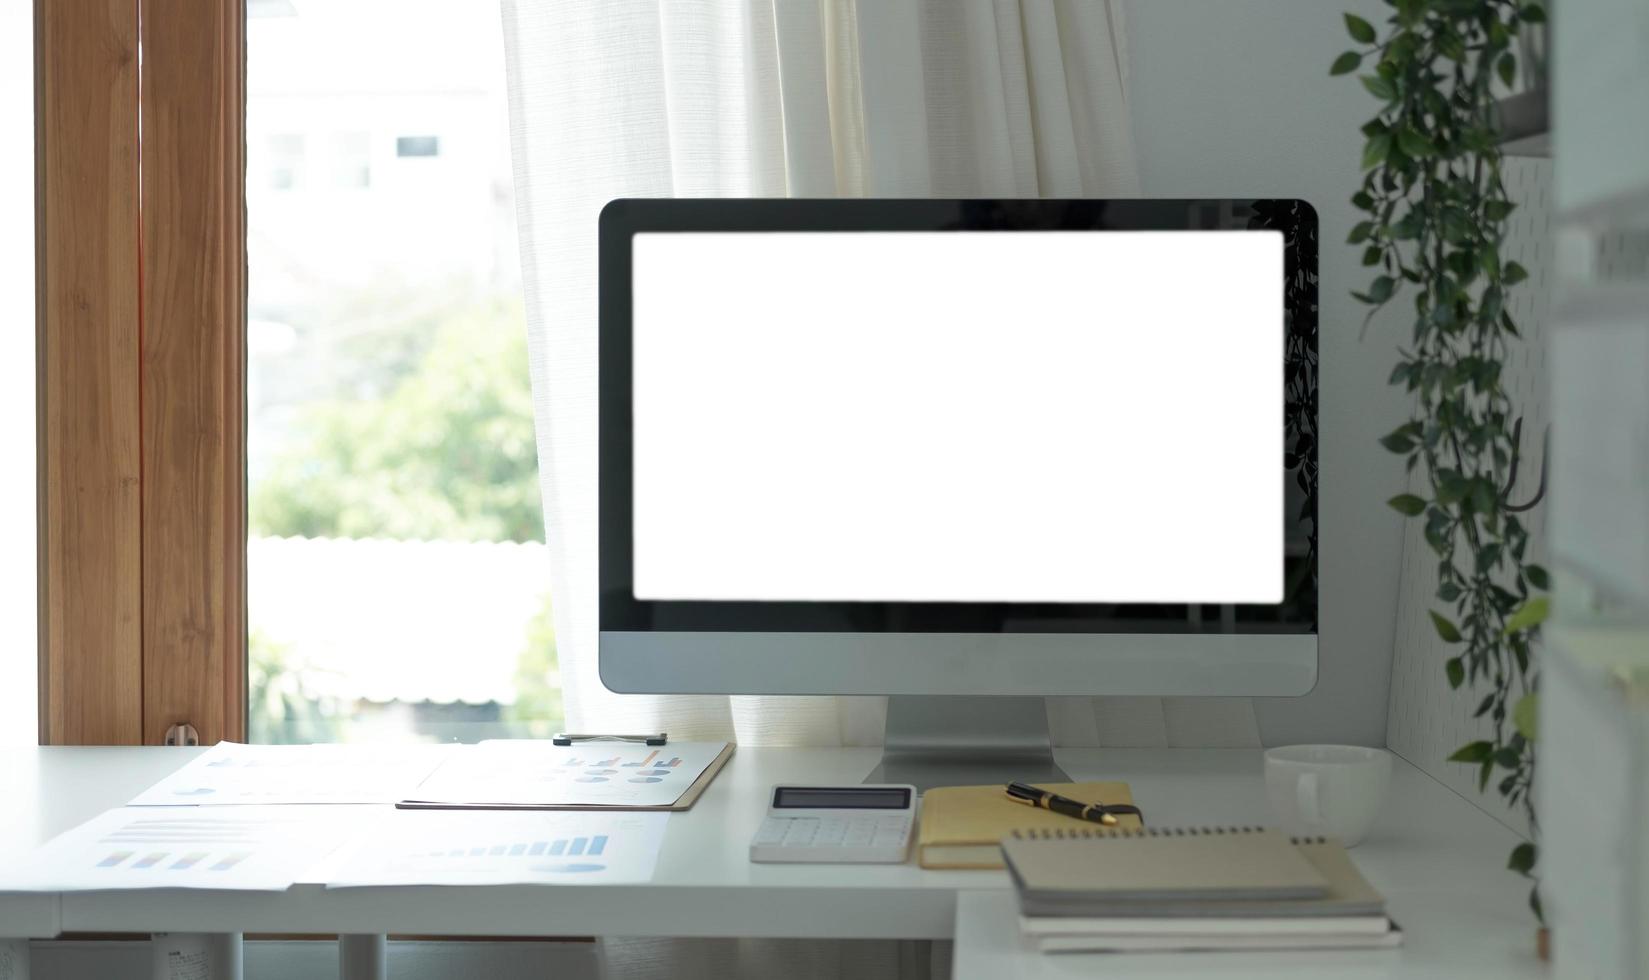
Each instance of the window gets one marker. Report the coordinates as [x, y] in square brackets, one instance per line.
[397, 579]
[17, 378]
[417, 146]
[285, 161]
[351, 160]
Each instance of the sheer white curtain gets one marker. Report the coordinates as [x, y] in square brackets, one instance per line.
[805, 98]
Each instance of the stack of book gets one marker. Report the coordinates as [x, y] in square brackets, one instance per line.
[1219, 888]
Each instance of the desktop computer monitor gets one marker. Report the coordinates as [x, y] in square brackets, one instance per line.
[958, 451]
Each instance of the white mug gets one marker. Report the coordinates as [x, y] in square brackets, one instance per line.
[1332, 790]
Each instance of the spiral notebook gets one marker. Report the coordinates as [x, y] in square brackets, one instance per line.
[1184, 871]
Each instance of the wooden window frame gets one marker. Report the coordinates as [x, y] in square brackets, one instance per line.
[141, 340]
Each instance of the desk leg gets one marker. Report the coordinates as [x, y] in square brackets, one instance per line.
[196, 956]
[14, 959]
[363, 957]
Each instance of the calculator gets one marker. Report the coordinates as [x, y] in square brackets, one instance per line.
[868, 824]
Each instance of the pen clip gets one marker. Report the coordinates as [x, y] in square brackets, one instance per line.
[1028, 795]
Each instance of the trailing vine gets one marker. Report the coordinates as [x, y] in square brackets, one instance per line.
[1436, 210]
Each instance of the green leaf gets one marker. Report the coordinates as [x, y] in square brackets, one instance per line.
[1522, 859]
[1360, 232]
[1533, 13]
[1536, 574]
[1360, 30]
[1407, 504]
[1445, 628]
[1483, 496]
[1506, 67]
[1451, 47]
[1489, 258]
[1415, 144]
[1507, 757]
[1492, 302]
[1529, 615]
[1376, 150]
[1371, 255]
[1497, 210]
[1401, 439]
[1451, 486]
[1363, 201]
[1456, 225]
[1380, 290]
[1379, 88]
[1346, 63]
[1526, 716]
[1513, 274]
[1472, 752]
[1456, 672]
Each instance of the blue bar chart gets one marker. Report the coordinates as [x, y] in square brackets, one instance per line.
[502, 847]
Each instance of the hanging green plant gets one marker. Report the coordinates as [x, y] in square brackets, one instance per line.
[1436, 211]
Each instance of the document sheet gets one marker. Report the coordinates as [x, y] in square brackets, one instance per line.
[500, 847]
[241, 848]
[231, 773]
[618, 774]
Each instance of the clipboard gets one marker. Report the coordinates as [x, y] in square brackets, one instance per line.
[683, 802]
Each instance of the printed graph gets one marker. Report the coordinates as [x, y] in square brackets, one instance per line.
[499, 847]
[548, 856]
[648, 769]
[247, 849]
[229, 841]
[539, 774]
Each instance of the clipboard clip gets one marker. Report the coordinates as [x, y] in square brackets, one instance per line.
[567, 738]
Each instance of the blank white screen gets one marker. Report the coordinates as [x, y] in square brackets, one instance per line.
[1052, 417]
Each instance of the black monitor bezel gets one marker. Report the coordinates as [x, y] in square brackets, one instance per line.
[622, 219]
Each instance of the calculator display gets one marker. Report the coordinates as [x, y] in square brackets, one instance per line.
[840, 798]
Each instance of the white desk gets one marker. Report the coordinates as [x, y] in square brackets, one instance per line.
[1439, 860]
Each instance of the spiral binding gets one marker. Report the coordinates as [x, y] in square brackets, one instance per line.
[1102, 833]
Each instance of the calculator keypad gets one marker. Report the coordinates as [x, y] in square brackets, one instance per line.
[858, 838]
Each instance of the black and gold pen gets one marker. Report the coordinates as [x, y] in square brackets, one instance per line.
[1099, 813]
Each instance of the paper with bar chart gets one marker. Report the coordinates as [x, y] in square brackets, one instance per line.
[500, 847]
[239, 849]
[616, 774]
[231, 773]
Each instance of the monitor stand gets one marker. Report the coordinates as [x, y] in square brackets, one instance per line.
[966, 741]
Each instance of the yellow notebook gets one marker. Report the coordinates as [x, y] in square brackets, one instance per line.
[963, 826]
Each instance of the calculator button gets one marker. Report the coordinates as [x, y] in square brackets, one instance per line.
[801, 832]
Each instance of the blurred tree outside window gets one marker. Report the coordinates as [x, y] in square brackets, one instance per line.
[397, 575]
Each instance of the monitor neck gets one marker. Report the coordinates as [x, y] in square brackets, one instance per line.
[966, 741]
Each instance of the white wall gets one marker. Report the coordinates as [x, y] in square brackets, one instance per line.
[17, 431]
[1234, 100]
